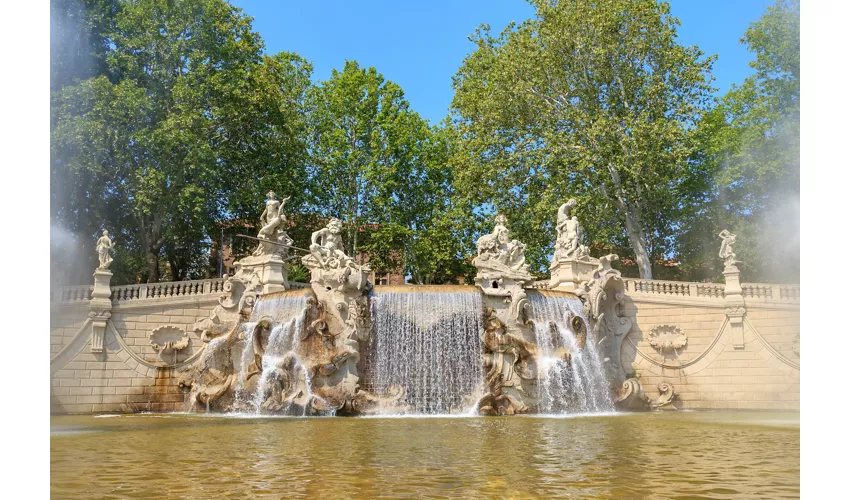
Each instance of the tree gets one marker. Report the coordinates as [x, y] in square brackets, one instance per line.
[190, 112]
[381, 168]
[751, 156]
[592, 100]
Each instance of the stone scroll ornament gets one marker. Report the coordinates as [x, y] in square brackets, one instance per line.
[631, 396]
[602, 298]
[502, 270]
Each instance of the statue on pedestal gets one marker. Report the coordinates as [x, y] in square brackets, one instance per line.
[568, 243]
[726, 252]
[104, 245]
[271, 226]
[497, 251]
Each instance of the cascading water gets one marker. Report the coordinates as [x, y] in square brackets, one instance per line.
[428, 342]
[577, 385]
[282, 315]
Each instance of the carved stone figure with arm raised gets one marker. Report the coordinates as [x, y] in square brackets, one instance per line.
[726, 252]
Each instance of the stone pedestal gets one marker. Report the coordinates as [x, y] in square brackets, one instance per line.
[735, 307]
[100, 307]
[566, 274]
[271, 268]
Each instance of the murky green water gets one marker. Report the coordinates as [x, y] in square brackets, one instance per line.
[651, 455]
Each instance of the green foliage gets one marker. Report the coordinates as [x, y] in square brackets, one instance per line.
[594, 101]
[751, 160]
[189, 112]
[299, 274]
[383, 171]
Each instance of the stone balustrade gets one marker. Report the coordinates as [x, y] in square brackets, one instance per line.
[72, 294]
[125, 293]
[167, 289]
[680, 288]
[770, 291]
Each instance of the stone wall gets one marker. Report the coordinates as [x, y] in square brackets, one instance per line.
[127, 376]
[714, 370]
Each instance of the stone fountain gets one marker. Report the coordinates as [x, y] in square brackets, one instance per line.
[344, 347]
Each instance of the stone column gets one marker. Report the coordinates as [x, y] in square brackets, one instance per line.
[100, 307]
[735, 307]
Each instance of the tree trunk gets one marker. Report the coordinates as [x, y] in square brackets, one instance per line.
[153, 266]
[634, 226]
[638, 240]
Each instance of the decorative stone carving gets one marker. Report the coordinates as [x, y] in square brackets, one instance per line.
[502, 270]
[272, 222]
[568, 244]
[795, 344]
[726, 252]
[168, 340]
[213, 377]
[631, 396]
[508, 360]
[332, 272]
[99, 319]
[602, 299]
[667, 338]
[240, 293]
[104, 245]
[571, 262]
[270, 259]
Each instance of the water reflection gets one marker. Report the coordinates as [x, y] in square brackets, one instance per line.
[669, 455]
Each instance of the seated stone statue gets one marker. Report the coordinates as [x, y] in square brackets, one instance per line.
[498, 250]
[327, 247]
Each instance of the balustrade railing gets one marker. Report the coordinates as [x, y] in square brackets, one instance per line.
[770, 291]
[143, 291]
[71, 294]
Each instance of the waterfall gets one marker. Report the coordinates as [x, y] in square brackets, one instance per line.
[284, 314]
[429, 343]
[575, 386]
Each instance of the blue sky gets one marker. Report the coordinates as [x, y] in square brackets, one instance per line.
[421, 44]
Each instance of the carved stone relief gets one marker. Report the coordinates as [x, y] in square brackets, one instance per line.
[168, 340]
[667, 338]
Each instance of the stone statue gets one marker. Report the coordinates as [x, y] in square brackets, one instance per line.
[568, 243]
[327, 248]
[497, 249]
[726, 252]
[104, 245]
[271, 226]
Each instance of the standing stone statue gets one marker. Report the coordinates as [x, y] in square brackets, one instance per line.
[327, 248]
[568, 243]
[271, 226]
[726, 252]
[104, 245]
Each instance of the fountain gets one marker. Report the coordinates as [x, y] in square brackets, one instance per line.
[427, 340]
[344, 347]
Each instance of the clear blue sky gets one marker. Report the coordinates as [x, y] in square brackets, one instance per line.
[420, 44]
